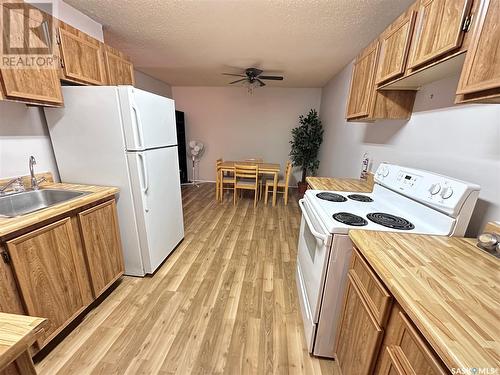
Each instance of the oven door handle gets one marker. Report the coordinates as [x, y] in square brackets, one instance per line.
[313, 230]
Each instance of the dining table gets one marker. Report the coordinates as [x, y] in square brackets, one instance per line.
[268, 169]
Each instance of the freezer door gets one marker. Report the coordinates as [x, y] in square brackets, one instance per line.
[148, 119]
[157, 197]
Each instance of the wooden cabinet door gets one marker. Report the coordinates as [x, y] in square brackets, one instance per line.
[359, 335]
[481, 69]
[361, 94]
[394, 48]
[82, 57]
[404, 351]
[119, 69]
[51, 275]
[37, 84]
[438, 29]
[102, 245]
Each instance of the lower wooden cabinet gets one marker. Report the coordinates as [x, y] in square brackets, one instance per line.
[359, 335]
[404, 351]
[51, 274]
[102, 245]
[375, 336]
[59, 269]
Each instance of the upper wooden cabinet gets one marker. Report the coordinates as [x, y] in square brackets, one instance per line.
[102, 245]
[31, 83]
[365, 103]
[76, 57]
[432, 40]
[360, 94]
[119, 69]
[394, 47]
[82, 56]
[51, 274]
[480, 79]
[439, 29]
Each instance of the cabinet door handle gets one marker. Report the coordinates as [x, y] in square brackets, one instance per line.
[5, 257]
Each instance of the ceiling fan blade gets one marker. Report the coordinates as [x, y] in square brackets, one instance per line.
[235, 75]
[262, 84]
[239, 80]
[272, 78]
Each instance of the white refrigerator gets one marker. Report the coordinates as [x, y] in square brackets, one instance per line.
[125, 137]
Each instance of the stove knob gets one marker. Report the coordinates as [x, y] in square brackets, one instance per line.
[385, 172]
[446, 192]
[434, 189]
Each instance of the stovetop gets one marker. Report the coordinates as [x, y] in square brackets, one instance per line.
[382, 210]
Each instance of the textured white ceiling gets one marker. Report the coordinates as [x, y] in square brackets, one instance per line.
[190, 42]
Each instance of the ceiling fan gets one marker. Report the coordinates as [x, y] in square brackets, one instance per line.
[253, 75]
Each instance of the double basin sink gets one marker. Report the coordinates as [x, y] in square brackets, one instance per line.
[19, 204]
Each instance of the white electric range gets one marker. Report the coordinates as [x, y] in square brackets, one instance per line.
[403, 200]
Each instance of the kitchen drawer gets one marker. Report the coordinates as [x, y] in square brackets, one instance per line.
[374, 293]
[405, 352]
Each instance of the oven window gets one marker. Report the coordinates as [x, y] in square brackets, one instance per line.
[310, 241]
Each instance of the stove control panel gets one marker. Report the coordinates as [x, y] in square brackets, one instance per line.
[440, 192]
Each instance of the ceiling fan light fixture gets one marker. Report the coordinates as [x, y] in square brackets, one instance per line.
[253, 78]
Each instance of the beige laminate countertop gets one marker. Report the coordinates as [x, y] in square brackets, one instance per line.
[447, 286]
[11, 225]
[339, 184]
[17, 333]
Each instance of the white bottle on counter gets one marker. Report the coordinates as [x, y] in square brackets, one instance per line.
[364, 166]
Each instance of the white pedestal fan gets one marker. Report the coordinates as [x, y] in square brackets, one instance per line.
[196, 151]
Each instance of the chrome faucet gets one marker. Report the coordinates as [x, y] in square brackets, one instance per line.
[16, 180]
[34, 182]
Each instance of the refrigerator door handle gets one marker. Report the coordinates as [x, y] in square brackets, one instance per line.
[145, 179]
[139, 136]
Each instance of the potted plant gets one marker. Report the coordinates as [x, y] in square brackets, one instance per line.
[306, 141]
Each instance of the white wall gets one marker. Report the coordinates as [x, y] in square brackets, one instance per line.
[461, 141]
[23, 132]
[148, 83]
[235, 125]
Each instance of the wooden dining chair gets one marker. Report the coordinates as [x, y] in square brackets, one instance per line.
[225, 180]
[246, 177]
[255, 160]
[282, 184]
[217, 178]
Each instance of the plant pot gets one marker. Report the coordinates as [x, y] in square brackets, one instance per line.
[302, 187]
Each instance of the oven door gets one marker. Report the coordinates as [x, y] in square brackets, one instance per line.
[312, 262]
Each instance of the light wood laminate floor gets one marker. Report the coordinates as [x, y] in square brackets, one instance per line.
[225, 302]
